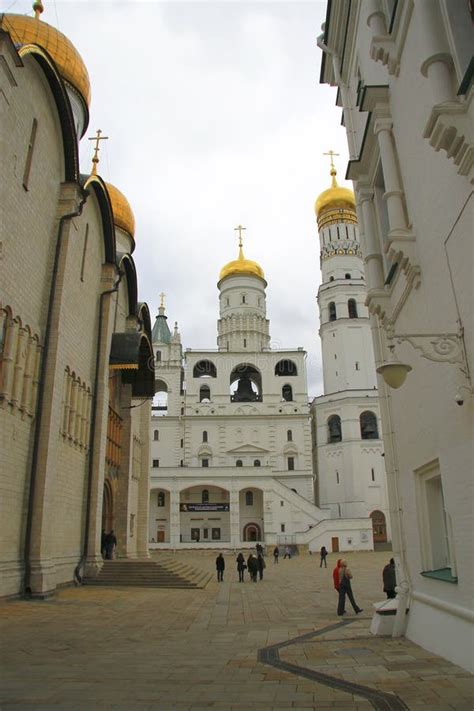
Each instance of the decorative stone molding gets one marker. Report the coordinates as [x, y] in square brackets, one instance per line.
[449, 128]
[388, 48]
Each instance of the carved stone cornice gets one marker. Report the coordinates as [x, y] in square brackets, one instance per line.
[388, 49]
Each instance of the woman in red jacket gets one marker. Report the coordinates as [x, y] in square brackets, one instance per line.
[335, 575]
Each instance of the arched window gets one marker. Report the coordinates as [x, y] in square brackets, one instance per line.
[368, 426]
[204, 393]
[160, 401]
[156, 435]
[285, 368]
[158, 356]
[205, 496]
[334, 429]
[331, 278]
[204, 369]
[238, 463]
[348, 276]
[332, 311]
[256, 463]
[245, 384]
[161, 498]
[287, 393]
[289, 436]
[249, 498]
[204, 436]
[352, 308]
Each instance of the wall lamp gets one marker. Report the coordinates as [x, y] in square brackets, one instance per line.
[441, 348]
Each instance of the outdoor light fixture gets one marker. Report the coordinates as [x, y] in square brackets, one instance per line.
[440, 348]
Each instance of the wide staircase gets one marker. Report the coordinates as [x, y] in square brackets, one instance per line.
[168, 573]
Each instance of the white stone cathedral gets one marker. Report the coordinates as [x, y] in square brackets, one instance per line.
[348, 447]
[231, 446]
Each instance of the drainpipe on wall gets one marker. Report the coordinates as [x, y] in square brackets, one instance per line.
[39, 404]
[85, 549]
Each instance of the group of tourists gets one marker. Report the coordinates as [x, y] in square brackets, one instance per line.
[255, 564]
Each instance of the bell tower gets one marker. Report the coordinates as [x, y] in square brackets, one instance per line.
[348, 360]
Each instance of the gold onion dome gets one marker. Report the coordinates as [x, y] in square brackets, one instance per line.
[123, 215]
[241, 266]
[334, 197]
[31, 30]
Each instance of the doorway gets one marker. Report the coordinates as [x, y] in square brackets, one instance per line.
[251, 532]
[379, 526]
[335, 544]
[107, 508]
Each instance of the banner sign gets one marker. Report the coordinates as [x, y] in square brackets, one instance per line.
[204, 507]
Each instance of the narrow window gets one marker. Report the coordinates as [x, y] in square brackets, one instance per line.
[291, 464]
[249, 498]
[29, 155]
[334, 429]
[205, 496]
[357, 365]
[227, 302]
[287, 393]
[282, 527]
[338, 235]
[332, 311]
[158, 356]
[337, 477]
[204, 393]
[282, 503]
[245, 343]
[205, 463]
[156, 463]
[238, 463]
[161, 498]
[373, 474]
[156, 435]
[352, 308]
[243, 299]
[182, 443]
[84, 250]
[256, 463]
[182, 410]
[204, 436]
[181, 463]
[289, 436]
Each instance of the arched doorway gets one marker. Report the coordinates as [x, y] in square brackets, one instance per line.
[107, 508]
[252, 532]
[379, 526]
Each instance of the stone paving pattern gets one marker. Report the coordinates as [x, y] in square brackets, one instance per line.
[191, 650]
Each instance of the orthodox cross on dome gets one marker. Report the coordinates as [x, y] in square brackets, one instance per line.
[95, 158]
[239, 229]
[333, 172]
[162, 299]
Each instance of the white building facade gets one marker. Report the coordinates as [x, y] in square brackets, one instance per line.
[404, 74]
[231, 449]
[347, 439]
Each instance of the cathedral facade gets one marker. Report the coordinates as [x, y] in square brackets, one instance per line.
[75, 343]
[231, 449]
[404, 73]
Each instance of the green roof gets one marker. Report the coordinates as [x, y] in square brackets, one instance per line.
[161, 332]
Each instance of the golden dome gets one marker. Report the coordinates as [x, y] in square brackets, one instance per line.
[241, 266]
[334, 197]
[30, 30]
[123, 215]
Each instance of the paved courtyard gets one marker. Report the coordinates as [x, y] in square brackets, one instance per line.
[277, 644]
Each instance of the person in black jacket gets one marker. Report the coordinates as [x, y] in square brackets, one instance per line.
[389, 579]
[241, 566]
[261, 565]
[220, 567]
[252, 565]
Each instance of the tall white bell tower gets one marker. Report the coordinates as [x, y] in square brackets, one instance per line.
[348, 446]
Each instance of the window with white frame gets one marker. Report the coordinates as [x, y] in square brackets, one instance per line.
[433, 520]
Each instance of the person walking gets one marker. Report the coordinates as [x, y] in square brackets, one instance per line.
[110, 545]
[259, 549]
[261, 565]
[241, 566]
[287, 553]
[345, 588]
[389, 580]
[324, 555]
[252, 565]
[335, 575]
[220, 567]
[276, 555]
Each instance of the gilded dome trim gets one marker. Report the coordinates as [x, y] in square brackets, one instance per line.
[241, 267]
[29, 30]
[334, 197]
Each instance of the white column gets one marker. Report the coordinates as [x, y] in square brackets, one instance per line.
[376, 18]
[393, 189]
[174, 518]
[234, 518]
[373, 256]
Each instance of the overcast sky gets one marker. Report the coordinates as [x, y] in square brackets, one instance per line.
[215, 117]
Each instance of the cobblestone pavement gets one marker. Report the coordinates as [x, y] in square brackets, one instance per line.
[276, 644]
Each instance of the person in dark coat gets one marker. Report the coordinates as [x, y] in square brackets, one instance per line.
[389, 579]
[261, 565]
[324, 555]
[345, 588]
[252, 565]
[241, 566]
[102, 543]
[276, 555]
[110, 545]
[220, 567]
[259, 549]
